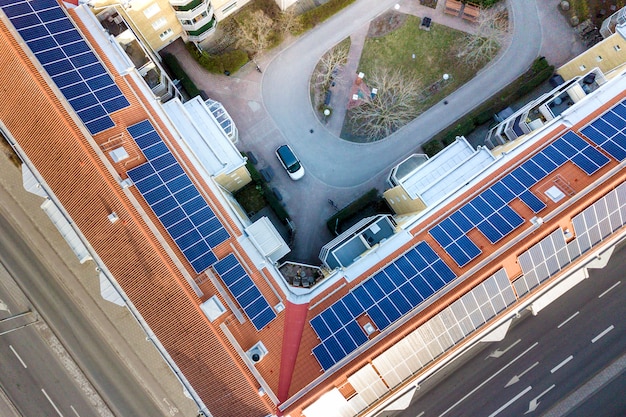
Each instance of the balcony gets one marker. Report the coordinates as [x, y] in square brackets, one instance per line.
[202, 33]
[185, 5]
[196, 14]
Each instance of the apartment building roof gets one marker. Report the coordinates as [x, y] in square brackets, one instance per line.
[177, 244]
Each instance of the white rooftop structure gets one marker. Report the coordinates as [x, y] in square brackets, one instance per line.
[204, 135]
[445, 172]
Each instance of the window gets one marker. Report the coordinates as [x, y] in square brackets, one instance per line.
[151, 10]
[166, 34]
[582, 68]
[617, 48]
[159, 23]
[599, 58]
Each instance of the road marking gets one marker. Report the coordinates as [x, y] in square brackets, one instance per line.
[489, 379]
[516, 378]
[534, 403]
[74, 410]
[568, 319]
[511, 401]
[609, 289]
[18, 356]
[421, 414]
[53, 404]
[608, 329]
[559, 366]
[497, 353]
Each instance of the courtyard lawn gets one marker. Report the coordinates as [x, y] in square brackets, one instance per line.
[435, 53]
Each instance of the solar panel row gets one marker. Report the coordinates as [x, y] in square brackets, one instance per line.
[175, 200]
[68, 60]
[490, 212]
[245, 291]
[609, 131]
[384, 297]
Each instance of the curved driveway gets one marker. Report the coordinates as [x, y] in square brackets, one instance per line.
[338, 163]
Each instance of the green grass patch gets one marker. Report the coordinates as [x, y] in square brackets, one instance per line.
[319, 14]
[435, 53]
[251, 198]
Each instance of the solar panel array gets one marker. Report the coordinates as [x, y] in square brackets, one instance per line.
[384, 297]
[490, 212]
[591, 226]
[245, 292]
[175, 200]
[609, 131]
[68, 60]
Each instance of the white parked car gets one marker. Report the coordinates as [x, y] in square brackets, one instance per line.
[290, 162]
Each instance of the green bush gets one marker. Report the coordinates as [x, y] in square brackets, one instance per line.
[228, 61]
[482, 3]
[353, 208]
[317, 15]
[179, 73]
[432, 147]
[275, 204]
[539, 72]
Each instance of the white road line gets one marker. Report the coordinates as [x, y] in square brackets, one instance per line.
[568, 319]
[609, 289]
[497, 353]
[74, 410]
[53, 404]
[608, 329]
[489, 379]
[18, 356]
[421, 414]
[559, 366]
[511, 401]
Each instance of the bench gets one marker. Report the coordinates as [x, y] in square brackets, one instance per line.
[453, 7]
[471, 12]
[267, 173]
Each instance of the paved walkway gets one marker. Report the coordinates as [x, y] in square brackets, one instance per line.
[275, 107]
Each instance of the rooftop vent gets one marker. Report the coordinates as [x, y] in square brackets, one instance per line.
[257, 352]
[279, 307]
[537, 221]
[118, 154]
[113, 217]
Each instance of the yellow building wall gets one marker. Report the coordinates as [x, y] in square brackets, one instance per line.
[606, 55]
[223, 8]
[149, 19]
[234, 180]
[401, 202]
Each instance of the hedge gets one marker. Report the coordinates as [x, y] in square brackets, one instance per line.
[229, 61]
[179, 73]
[539, 72]
[319, 14]
[352, 209]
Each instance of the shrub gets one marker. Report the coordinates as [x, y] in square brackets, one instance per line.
[179, 73]
[353, 208]
[432, 147]
[317, 15]
[228, 61]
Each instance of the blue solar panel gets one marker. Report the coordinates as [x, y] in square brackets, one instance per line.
[384, 297]
[492, 199]
[481, 206]
[534, 170]
[471, 214]
[335, 350]
[596, 136]
[461, 221]
[323, 357]
[490, 232]
[245, 291]
[545, 162]
[159, 181]
[513, 184]
[357, 333]
[523, 177]
[585, 163]
[376, 314]
[502, 191]
[608, 128]
[44, 26]
[531, 200]
[615, 150]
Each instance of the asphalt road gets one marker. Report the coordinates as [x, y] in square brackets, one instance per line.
[31, 373]
[112, 380]
[541, 360]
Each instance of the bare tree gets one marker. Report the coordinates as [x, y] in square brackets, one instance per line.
[289, 22]
[394, 106]
[329, 65]
[490, 35]
[255, 29]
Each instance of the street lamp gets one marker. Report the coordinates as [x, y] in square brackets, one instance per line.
[446, 77]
